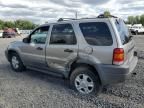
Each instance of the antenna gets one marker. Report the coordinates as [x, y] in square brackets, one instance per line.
[76, 15]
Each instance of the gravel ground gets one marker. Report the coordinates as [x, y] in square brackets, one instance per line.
[32, 89]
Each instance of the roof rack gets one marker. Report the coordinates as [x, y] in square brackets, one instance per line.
[103, 16]
[65, 19]
[99, 16]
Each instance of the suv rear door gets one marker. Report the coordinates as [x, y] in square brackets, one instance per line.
[62, 47]
[99, 38]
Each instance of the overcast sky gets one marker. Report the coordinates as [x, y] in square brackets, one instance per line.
[40, 11]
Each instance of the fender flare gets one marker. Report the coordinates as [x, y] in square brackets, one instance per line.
[96, 66]
[11, 50]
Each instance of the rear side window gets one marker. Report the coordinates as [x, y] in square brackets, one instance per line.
[96, 33]
[123, 31]
[63, 34]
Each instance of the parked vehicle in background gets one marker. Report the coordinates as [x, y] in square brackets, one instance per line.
[137, 29]
[1, 33]
[89, 52]
[8, 33]
[129, 26]
[16, 30]
[25, 32]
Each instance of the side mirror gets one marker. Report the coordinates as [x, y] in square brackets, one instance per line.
[26, 40]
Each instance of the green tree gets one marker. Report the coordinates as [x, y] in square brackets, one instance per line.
[142, 19]
[131, 19]
[137, 19]
[107, 14]
[1, 24]
[21, 24]
[9, 24]
[24, 24]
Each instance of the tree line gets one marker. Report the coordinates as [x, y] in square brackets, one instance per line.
[139, 19]
[136, 19]
[21, 24]
[25, 24]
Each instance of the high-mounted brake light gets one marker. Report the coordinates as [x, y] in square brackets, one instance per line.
[118, 56]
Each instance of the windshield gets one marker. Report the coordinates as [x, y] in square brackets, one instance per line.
[122, 30]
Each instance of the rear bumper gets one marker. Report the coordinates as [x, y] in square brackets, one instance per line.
[8, 35]
[111, 74]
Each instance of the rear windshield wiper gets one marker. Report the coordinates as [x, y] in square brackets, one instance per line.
[127, 39]
[130, 38]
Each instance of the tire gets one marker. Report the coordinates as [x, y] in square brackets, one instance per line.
[16, 63]
[92, 79]
[136, 32]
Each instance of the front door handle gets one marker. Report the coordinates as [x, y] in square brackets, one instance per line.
[68, 50]
[39, 48]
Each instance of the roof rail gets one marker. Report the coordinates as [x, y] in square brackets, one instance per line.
[89, 18]
[65, 19]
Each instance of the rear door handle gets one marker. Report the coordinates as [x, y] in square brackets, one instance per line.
[68, 50]
[39, 48]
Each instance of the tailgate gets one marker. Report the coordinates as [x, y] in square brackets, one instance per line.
[129, 49]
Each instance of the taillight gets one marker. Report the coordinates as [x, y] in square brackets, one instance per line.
[118, 56]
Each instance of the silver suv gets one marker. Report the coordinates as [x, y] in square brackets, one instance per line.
[89, 52]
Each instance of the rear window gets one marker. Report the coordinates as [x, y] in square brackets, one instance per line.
[96, 33]
[122, 30]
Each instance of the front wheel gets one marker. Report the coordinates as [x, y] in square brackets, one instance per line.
[16, 63]
[136, 32]
[85, 81]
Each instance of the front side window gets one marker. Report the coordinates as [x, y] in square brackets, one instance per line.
[96, 33]
[63, 34]
[39, 35]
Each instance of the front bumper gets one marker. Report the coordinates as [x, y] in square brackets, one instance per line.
[6, 54]
[111, 74]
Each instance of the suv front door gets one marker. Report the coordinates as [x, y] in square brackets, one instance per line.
[62, 48]
[33, 53]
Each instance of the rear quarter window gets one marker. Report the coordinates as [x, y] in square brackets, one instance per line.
[96, 33]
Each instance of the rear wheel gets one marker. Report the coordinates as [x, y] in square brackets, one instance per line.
[16, 63]
[85, 81]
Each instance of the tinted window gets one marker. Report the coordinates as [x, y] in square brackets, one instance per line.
[62, 34]
[96, 33]
[39, 35]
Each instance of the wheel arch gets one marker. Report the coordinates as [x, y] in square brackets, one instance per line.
[10, 52]
[81, 62]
